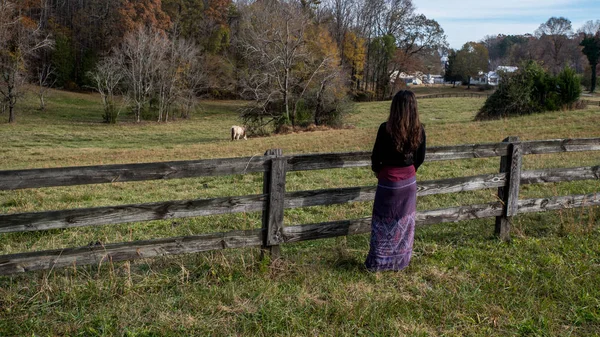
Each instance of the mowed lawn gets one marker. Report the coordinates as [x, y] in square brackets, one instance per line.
[461, 281]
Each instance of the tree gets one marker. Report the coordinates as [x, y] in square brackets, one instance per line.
[20, 40]
[107, 77]
[471, 59]
[174, 74]
[323, 60]
[273, 38]
[43, 79]
[591, 48]
[554, 34]
[354, 54]
[450, 73]
[141, 54]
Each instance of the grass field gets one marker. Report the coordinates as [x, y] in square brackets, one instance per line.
[461, 281]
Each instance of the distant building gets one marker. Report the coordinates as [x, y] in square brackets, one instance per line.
[417, 78]
[492, 77]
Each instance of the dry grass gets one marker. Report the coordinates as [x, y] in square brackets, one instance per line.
[461, 280]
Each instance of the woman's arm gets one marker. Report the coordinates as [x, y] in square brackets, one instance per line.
[419, 156]
[377, 150]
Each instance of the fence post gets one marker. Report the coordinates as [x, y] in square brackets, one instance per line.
[509, 194]
[272, 218]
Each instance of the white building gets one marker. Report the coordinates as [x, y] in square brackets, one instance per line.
[492, 77]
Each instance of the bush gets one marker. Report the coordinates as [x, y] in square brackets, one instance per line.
[485, 87]
[586, 79]
[513, 97]
[531, 90]
[568, 86]
[363, 96]
[580, 105]
[111, 113]
[304, 114]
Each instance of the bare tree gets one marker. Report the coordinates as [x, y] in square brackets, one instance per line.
[194, 79]
[44, 82]
[18, 43]
[107, 77]
[343, 14]
[141, 54]
[272, 38]
[554, 34]
[177, 71]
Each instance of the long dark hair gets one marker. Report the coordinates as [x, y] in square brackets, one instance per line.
[403, 124]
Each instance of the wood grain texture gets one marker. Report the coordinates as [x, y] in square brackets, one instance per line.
[97, 254]
[129, 213]
[367, 193]
[502, 223]
[514, 179]
[69, 176]
[557, 203]
[363, 225]
[202, 207]
[273, 250]
[276, 201]
[560, 145]
[560, 175]
[306, 162]
[102, 254]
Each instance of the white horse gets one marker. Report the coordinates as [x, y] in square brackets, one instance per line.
[237, 132]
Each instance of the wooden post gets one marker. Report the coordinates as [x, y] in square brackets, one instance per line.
[274, 187]
[509, 194]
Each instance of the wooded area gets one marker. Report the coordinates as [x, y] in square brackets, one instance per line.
[299, 61]
[274, 200]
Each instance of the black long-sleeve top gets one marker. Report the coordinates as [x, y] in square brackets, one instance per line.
[385, 153]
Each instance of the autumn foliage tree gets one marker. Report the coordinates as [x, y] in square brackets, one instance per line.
[291, 63]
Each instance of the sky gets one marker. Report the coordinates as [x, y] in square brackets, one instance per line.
[472, 20]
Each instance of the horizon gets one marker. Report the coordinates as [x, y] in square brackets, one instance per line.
[470, 20]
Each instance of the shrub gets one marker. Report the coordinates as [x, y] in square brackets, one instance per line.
[569, 87]
[580, 105]
[111, 113]
[513, 96]
[485, 87]
[531, 90]
[363, 96]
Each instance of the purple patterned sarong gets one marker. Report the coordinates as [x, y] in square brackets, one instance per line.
[393, 225]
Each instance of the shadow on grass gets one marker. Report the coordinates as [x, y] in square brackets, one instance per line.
[349, 264]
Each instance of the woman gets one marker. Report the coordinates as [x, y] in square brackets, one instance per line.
[398, 152]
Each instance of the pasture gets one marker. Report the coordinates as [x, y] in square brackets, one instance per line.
[462, 281]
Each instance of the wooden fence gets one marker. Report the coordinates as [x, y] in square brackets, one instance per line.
[589, 102]
[275, 199]
[463, 95]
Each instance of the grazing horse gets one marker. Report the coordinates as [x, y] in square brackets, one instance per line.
[237, 132]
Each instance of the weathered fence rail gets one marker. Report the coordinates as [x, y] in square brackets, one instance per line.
[275, 199]
[590, 102]
[463, 95]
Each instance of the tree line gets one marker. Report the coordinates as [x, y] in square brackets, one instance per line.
[296, 59]
[555, 45]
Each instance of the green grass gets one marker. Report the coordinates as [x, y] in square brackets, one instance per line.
[461, 281]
